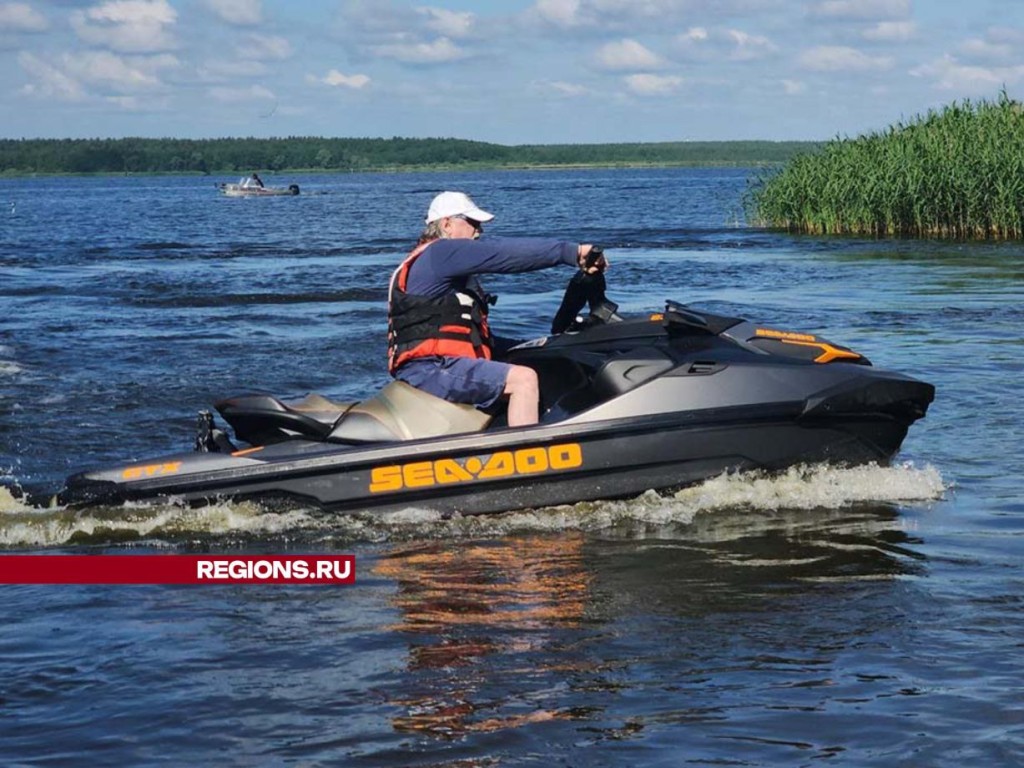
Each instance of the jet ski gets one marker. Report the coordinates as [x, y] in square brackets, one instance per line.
[658, 401]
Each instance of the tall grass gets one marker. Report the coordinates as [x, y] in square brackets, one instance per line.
[955, 173]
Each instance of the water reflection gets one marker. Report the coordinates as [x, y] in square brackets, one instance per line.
[523, 630]
[477, 611]
[736, 561]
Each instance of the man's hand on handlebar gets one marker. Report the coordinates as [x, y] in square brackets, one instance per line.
[591, 259]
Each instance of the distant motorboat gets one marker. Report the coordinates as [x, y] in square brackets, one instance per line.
[248, 189]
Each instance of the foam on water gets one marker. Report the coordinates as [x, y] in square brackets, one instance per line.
[10, 368]
[26, 526]
[11, 503]
[817, 486]
[806, 487]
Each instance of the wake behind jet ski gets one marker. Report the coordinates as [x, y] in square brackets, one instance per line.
[659, 402]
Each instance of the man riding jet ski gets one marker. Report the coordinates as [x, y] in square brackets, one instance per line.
[658, 401]
[616, 406]
[438, 335]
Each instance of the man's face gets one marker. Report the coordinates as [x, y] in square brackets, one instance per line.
[459, 227]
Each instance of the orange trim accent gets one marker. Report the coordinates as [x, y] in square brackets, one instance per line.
[657, 317]
[244, 451]
[454, 329]
[829, 353]
[768, 333]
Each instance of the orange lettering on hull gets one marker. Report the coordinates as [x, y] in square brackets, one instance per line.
[521, 462]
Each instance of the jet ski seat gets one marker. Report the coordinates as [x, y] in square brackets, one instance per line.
[402, 412]
[398, 412]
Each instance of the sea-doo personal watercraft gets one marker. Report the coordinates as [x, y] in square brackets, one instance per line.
[653, 402]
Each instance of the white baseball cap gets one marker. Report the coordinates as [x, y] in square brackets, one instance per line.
[455, 204]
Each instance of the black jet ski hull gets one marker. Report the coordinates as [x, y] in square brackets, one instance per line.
[506, 469]
[656, 402]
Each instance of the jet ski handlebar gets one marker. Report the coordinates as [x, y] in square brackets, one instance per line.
[586, 288]
[595, 259]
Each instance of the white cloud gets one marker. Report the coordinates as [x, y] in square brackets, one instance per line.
[448, 23]
[633, 16]
[87, 74]
[559, 88]
[646, 84]
[862, 9]
[1013, 35]
[127, 103]
[232, 95]
[134, 26]
[793, 87]
[244, 13]
[1000, 44]
[627, 54]
[336, 79]
[732, 44]
[108, 70]
[219, 70]
[147, 103]
[251, 59]
[49, 81]
[747, 47]
[437, 52]
[663, 10]
[568, 89]
[560, 13]
[891, 31]
[948, 74]
[265, 47]
[21, 17]
[977, 48]
[423, 35]
[838, 58]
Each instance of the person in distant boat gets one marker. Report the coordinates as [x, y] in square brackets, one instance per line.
[257, 181]
[439, 339]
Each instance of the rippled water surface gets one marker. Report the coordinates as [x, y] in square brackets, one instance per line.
[866, 616]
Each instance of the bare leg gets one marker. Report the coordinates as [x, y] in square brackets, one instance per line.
[523, 392]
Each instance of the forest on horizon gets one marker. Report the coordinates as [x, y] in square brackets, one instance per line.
[234, 155]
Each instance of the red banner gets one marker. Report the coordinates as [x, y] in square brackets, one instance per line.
[177, 569]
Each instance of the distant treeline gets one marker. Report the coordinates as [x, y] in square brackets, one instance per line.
[21, 156]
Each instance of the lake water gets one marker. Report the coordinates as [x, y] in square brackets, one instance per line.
[871, 617]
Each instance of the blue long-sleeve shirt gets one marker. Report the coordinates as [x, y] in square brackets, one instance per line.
[445, 265]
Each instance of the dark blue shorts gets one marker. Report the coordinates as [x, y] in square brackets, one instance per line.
[457, 379]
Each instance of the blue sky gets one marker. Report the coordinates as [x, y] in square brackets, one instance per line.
[523, 71]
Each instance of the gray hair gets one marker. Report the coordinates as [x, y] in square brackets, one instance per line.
[433, 231]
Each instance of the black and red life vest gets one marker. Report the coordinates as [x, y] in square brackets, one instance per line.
[453, 325]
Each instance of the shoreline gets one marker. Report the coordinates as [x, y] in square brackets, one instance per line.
[442, 168]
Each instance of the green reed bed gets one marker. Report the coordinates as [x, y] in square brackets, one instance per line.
[955, 173]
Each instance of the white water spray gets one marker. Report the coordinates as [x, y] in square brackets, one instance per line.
[800, 488]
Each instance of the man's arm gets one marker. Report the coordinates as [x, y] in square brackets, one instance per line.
[505, 255]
